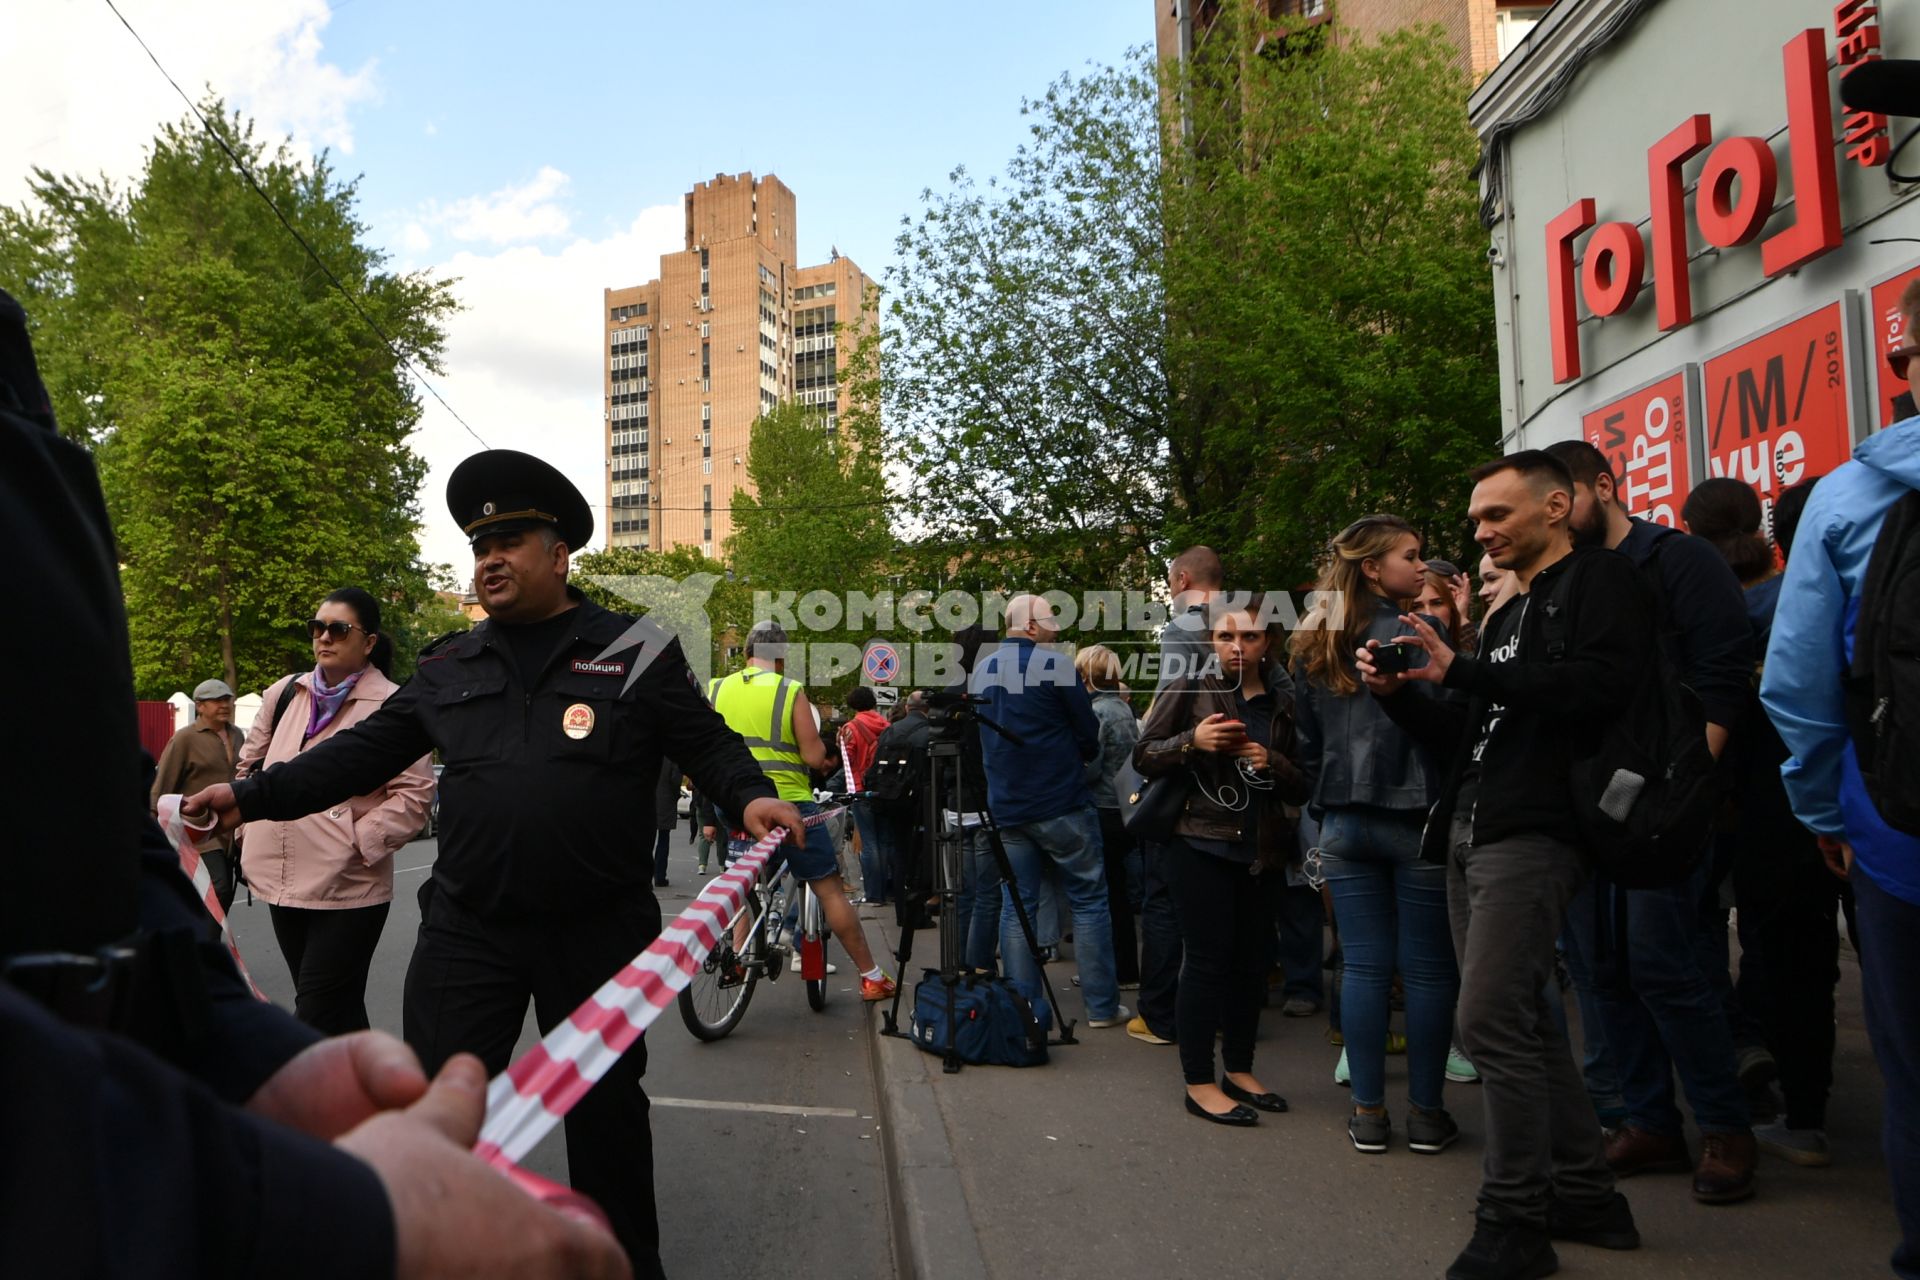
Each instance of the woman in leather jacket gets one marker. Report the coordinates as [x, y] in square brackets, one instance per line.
[1229, 731]
[1372, 786]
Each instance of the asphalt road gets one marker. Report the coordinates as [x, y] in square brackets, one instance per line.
[767, 1149]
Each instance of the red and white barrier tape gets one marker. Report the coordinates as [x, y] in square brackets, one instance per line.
[181, 836]
[526, 1100]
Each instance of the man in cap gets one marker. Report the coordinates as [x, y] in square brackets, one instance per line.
[552, 717]
[200, 756]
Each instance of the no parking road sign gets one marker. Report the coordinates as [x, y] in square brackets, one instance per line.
[882, 663]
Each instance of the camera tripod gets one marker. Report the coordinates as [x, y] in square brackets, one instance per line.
[935, 852]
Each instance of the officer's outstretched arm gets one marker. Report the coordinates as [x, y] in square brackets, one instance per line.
[353, 762]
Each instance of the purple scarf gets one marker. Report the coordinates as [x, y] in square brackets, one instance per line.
[325, 702]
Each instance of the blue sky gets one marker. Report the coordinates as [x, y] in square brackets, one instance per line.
[537, 153]
[857, 107]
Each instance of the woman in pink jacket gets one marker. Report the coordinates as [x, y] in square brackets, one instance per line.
[328, 877]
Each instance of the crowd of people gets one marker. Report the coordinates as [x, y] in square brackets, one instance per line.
[1402, 768]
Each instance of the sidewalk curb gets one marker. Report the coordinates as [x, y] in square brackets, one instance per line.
[933, 1232]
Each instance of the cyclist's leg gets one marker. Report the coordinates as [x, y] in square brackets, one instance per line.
[817, 865]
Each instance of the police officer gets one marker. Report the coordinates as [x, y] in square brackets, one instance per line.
[159, 1120]
[551, 717]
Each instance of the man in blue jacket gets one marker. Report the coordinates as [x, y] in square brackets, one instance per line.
[1812, 645]
[1037, 793]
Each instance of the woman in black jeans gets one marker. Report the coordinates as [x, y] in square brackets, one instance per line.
[1227, 735]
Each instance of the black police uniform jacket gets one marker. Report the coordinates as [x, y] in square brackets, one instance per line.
[546, 802]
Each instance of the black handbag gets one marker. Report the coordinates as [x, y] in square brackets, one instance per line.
[1149, 807]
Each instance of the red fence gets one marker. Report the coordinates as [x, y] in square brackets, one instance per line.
[156, 725]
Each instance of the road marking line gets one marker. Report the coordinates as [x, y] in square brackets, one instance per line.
[770, 1108]
[425, 866]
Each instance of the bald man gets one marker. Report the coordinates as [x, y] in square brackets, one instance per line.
[1037, 793]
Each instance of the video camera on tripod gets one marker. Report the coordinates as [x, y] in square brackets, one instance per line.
[933, 826]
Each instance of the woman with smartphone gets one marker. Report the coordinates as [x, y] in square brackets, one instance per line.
[328, 877]
[1372, 786]
[1227, 736]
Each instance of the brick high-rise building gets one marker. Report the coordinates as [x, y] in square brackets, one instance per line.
[733, 327]
[1485, 31]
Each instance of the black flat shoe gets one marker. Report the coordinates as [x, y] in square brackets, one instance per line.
[1239, 1117]
[1264, 1101]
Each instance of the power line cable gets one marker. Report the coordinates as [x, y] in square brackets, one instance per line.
[293, 231]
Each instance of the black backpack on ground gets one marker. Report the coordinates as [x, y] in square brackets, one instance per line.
[1645, 794]
[1883, 685]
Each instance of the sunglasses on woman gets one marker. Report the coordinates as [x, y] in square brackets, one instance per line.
[338, 630]
[1898, 357]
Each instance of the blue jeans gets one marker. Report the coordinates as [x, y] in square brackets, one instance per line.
[874, 852]
[1392, 909]
[976, 909]
[1069, 843]
[1601, 1077]
[1660, 1011]
[1889, 957]
[1303, 938]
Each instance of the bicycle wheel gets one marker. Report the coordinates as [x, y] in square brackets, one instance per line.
[714, 1002]
[813, 951]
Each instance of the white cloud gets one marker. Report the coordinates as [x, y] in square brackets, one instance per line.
[523, 361]
[81, 97]
[511, 214]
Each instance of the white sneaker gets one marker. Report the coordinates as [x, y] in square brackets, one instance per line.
[832, 968]
[1121, 1016]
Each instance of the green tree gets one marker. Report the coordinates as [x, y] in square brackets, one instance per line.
[1330, 321]
[817, 520]
[696, 598]
[1021, 372]
[250, 428]
[1238, 302]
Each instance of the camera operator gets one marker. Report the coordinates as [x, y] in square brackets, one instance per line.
[1037, 792]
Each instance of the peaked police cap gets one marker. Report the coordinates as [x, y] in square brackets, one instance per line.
[504, 491]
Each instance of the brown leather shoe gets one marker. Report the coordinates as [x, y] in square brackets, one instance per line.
[1631, 1151]
[1725, 1172]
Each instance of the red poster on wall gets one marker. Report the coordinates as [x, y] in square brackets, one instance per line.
[1644, 435]
[1776, 405]
[1888, 333]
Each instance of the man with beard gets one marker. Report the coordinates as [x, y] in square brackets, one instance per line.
[1659, 1003]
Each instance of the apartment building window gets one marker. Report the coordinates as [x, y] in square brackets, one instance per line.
[706, 359]
[706, 328]
[1511, 26]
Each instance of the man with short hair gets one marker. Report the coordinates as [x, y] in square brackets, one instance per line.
[1504, 827]
[1037, 793]
[772, 713]
[1194, 578]
[200, 756]
[1809, 657]
[552, 716]
[1658, 1000]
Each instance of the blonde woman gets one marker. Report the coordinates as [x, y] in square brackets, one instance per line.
[1100, 672]
[1372, 786]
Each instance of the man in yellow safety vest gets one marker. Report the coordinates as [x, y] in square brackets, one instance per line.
[773, 714]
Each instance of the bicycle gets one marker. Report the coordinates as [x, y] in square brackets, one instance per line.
[713, 1003]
